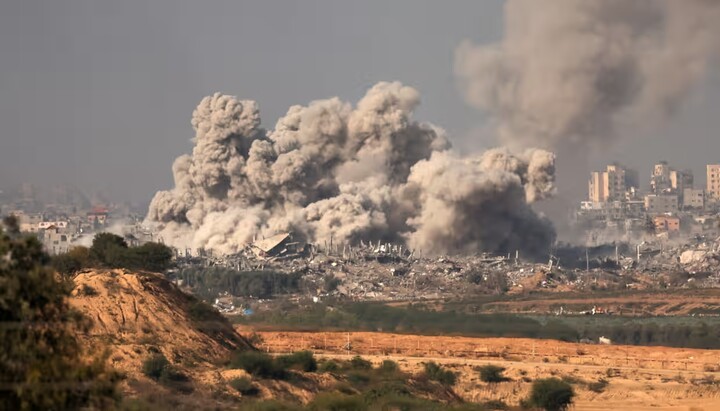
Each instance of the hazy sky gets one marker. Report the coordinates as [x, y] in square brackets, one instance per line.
[100, 93]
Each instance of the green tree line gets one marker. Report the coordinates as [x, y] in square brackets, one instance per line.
[112, 251]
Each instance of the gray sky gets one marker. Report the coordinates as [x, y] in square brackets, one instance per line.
[100, 93]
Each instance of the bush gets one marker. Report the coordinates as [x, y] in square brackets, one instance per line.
[301, 360]
[87, 290]
[159, 369]
[110, 250]
[598, 386]
[330, 283]
[358, 378]
[244, 386]
[202, 312]
[388, 366]
[258, 364]
[551, 394]
[107, 249]
[72, 261]
[437, 373]
[328, 366]
[359, 363]
[149, 256]
[492, 373]
[154, 366]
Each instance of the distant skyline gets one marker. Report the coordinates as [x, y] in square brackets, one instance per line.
[100, 94]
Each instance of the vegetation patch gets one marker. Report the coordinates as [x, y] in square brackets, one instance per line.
[551, 394]
[244, 386]
[435, 372]
[492, 373]
[259, 364]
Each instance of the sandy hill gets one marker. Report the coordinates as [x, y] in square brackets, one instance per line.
[136, 314]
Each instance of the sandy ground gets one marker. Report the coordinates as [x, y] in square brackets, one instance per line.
[640, 378]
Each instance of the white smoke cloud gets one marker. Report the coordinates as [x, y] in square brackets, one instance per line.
[567, 72]
[331, 170]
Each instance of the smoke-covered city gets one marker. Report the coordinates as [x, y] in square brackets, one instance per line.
[407, 206]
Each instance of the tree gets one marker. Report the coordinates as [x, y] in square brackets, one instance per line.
[42, 365]
[149, 256]
[108, 249]
[72, 261]
[551, 394]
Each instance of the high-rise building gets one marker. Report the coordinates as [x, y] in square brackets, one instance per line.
[667, 180]
[680, 180]
[608, 185]
[713, 182]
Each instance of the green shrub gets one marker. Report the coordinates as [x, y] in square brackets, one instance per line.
[301, 360]
[388, 366]
[154, 366]
[110, 250]
[149, 256]
[159, 369]
[330, 283]
[598, 386]
[258, 364]
[328, 366]
[387, 389]
[492, 373]
[72, 261]
[87, 290]
[437, 373]
[202, 312]
[551, 394]
[359, 363]
[358, 377]
[244, 386]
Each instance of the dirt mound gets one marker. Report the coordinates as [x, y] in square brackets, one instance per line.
[135, 314]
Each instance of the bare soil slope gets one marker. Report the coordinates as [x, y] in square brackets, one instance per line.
[135, 311]
[135, 315]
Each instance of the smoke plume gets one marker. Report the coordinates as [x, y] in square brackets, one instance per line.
[568, 72]
[329, 170]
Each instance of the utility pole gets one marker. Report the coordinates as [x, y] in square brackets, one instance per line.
[587, 261]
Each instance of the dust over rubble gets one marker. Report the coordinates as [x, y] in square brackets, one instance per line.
[331, 171]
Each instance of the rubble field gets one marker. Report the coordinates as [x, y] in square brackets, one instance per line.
[393, 274]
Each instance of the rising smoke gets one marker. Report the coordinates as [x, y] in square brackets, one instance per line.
[568, 72]
[333, 171]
